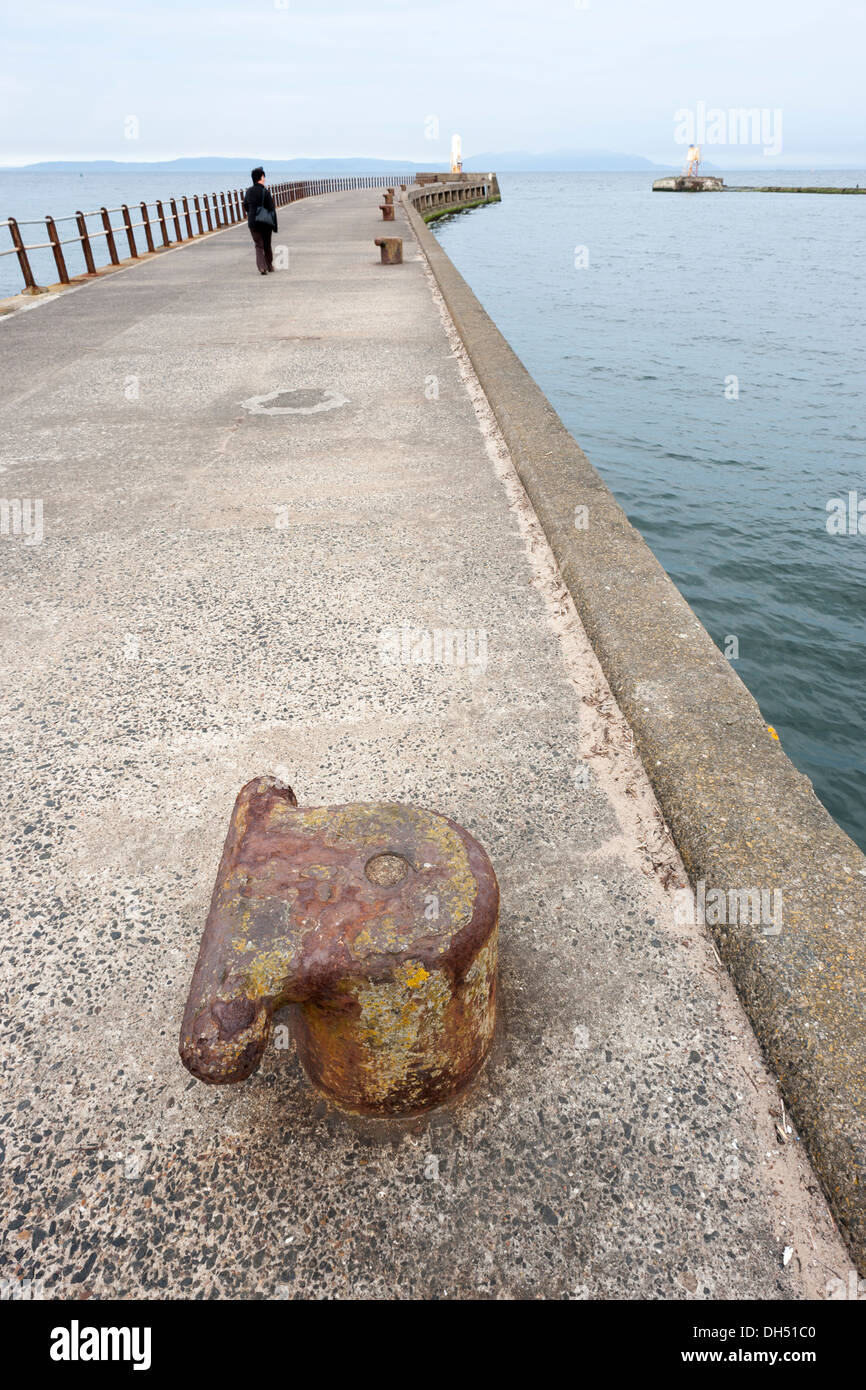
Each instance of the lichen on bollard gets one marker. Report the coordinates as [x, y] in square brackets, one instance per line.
[379, 921]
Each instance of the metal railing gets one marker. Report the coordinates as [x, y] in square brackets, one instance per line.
[185, 217]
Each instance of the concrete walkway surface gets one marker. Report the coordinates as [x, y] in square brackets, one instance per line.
[252, 488]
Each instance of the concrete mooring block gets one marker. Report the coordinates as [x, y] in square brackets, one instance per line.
[379, 921]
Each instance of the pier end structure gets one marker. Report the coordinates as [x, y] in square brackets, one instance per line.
[689, 183]
[434, 196]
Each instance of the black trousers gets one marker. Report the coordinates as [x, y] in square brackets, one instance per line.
[262, 240]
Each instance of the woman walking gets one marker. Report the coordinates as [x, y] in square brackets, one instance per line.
[262, 220]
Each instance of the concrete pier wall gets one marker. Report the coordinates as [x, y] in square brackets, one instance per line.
[446, 193]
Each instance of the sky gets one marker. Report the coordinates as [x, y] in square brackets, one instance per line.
[276, 79]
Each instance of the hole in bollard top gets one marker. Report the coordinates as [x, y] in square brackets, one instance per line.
[386, 869]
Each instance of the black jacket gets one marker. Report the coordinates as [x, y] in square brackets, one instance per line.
[255, 197]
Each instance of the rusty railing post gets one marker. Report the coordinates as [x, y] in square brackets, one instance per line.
[58, 251]
[196, 204]
[21, 252]
[186, 215]
[207, 212]
[160, 216]
[109, 237]
[84, 238]
[178, 234]
[148, 235]
[216, 211]
[127, 222]
[225, 214]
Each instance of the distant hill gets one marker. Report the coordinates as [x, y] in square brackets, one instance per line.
[558, 162]
[217, 164]
[514, 161]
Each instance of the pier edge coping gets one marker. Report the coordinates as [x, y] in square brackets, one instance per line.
[740, 813]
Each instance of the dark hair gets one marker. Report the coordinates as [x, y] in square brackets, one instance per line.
[257, 174]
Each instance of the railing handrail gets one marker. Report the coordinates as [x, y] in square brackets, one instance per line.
[212, 212]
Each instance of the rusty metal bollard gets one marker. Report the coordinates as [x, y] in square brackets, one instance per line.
[392, 249]
[379, 920]
[388, 196]
[402, 188]
[387, 210]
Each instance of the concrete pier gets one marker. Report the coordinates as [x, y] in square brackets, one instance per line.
[262, 499]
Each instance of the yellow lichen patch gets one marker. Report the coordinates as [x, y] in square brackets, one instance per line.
[266, 973]
[461, 889]
[399, 1023]
[409, 1042]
